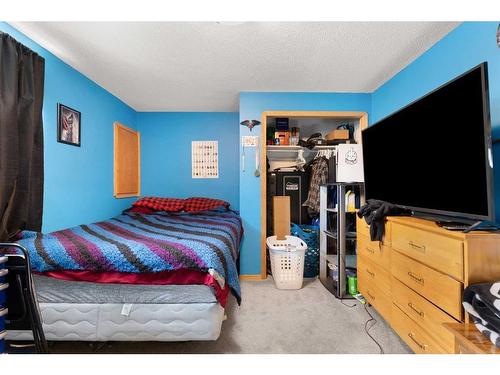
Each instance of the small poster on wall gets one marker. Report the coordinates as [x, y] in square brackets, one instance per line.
[68, 125]
[350, 163]
[205, 159]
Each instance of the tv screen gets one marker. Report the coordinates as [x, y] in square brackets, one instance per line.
[434, 155]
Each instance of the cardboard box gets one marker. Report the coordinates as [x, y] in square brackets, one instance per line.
[284, 138]
[337, 134]
[281, 216]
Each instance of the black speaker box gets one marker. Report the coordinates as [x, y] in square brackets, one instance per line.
[296, 186]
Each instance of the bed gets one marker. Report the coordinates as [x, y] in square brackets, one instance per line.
[141, 276]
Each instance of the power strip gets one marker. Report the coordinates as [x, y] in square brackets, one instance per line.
[360, 298]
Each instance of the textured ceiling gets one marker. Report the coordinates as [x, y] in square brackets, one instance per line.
[202, 66]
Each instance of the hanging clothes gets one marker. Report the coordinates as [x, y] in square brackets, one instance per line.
[319, 176]
[301, 162]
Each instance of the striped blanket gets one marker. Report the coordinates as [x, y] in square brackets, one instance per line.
[143, 243]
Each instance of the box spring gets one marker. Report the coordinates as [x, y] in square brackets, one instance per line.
[83, 311]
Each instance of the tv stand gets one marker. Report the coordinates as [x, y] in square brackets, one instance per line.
[463, 225]
[466, 227]
[416, 275]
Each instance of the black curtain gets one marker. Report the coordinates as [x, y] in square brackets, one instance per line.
[21, 138]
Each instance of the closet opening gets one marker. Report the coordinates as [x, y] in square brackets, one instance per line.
[291, 143]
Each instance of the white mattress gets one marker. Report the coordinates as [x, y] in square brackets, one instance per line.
[75, 311]
[146, 322]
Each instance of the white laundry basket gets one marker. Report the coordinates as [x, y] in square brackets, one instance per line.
[287, 261]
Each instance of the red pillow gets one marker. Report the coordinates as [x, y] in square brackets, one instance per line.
[141, 210]
[161, 204]
[202, 204]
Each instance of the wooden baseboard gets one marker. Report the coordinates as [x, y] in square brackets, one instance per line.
[252, 277]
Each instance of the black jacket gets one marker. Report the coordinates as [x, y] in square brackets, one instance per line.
[375, 211]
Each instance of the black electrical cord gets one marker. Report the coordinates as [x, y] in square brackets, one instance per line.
[367, 330]
[345, 304]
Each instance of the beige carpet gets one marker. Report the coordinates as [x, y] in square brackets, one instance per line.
[269, 320]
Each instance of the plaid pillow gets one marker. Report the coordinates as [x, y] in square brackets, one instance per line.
[141, 210]
[161, 204]
[202, 204]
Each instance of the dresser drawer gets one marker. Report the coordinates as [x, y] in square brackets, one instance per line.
[374, 274]
[374, 251]
[364, 229]
[375, 296]
[424, 314]
[440, 289]
[415, 336]
[442, 253]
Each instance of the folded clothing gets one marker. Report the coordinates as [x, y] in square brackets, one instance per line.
[482, 302]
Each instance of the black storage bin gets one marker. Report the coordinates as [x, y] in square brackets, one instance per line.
[296, 186]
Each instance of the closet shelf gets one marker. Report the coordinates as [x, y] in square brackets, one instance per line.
[334, 210]
[291, 152]
[278, 148]
[348, 235]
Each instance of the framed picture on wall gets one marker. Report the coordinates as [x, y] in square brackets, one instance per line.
[69, 123]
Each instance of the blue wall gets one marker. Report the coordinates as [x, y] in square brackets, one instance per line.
[78, 180]
[465, 47]
[166, 154]
[252, 104]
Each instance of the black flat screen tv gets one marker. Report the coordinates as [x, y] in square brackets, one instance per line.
[434, 155]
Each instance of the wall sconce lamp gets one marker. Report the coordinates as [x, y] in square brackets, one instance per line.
[250, 123]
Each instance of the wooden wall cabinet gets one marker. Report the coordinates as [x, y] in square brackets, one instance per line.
[416, 275]
[127, 172]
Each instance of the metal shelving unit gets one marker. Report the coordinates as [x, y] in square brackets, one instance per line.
[337, 236]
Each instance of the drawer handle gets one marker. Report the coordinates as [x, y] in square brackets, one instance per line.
[370, 295]
[3, 272]
[421, 346]
[416, 278]
[421, 313]
[3, 286]
[4, 311]
[372, 274]
[3, 260]
[413, 245]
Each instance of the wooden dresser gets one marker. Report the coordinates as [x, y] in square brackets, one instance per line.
[469, 340]
[416, 275]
